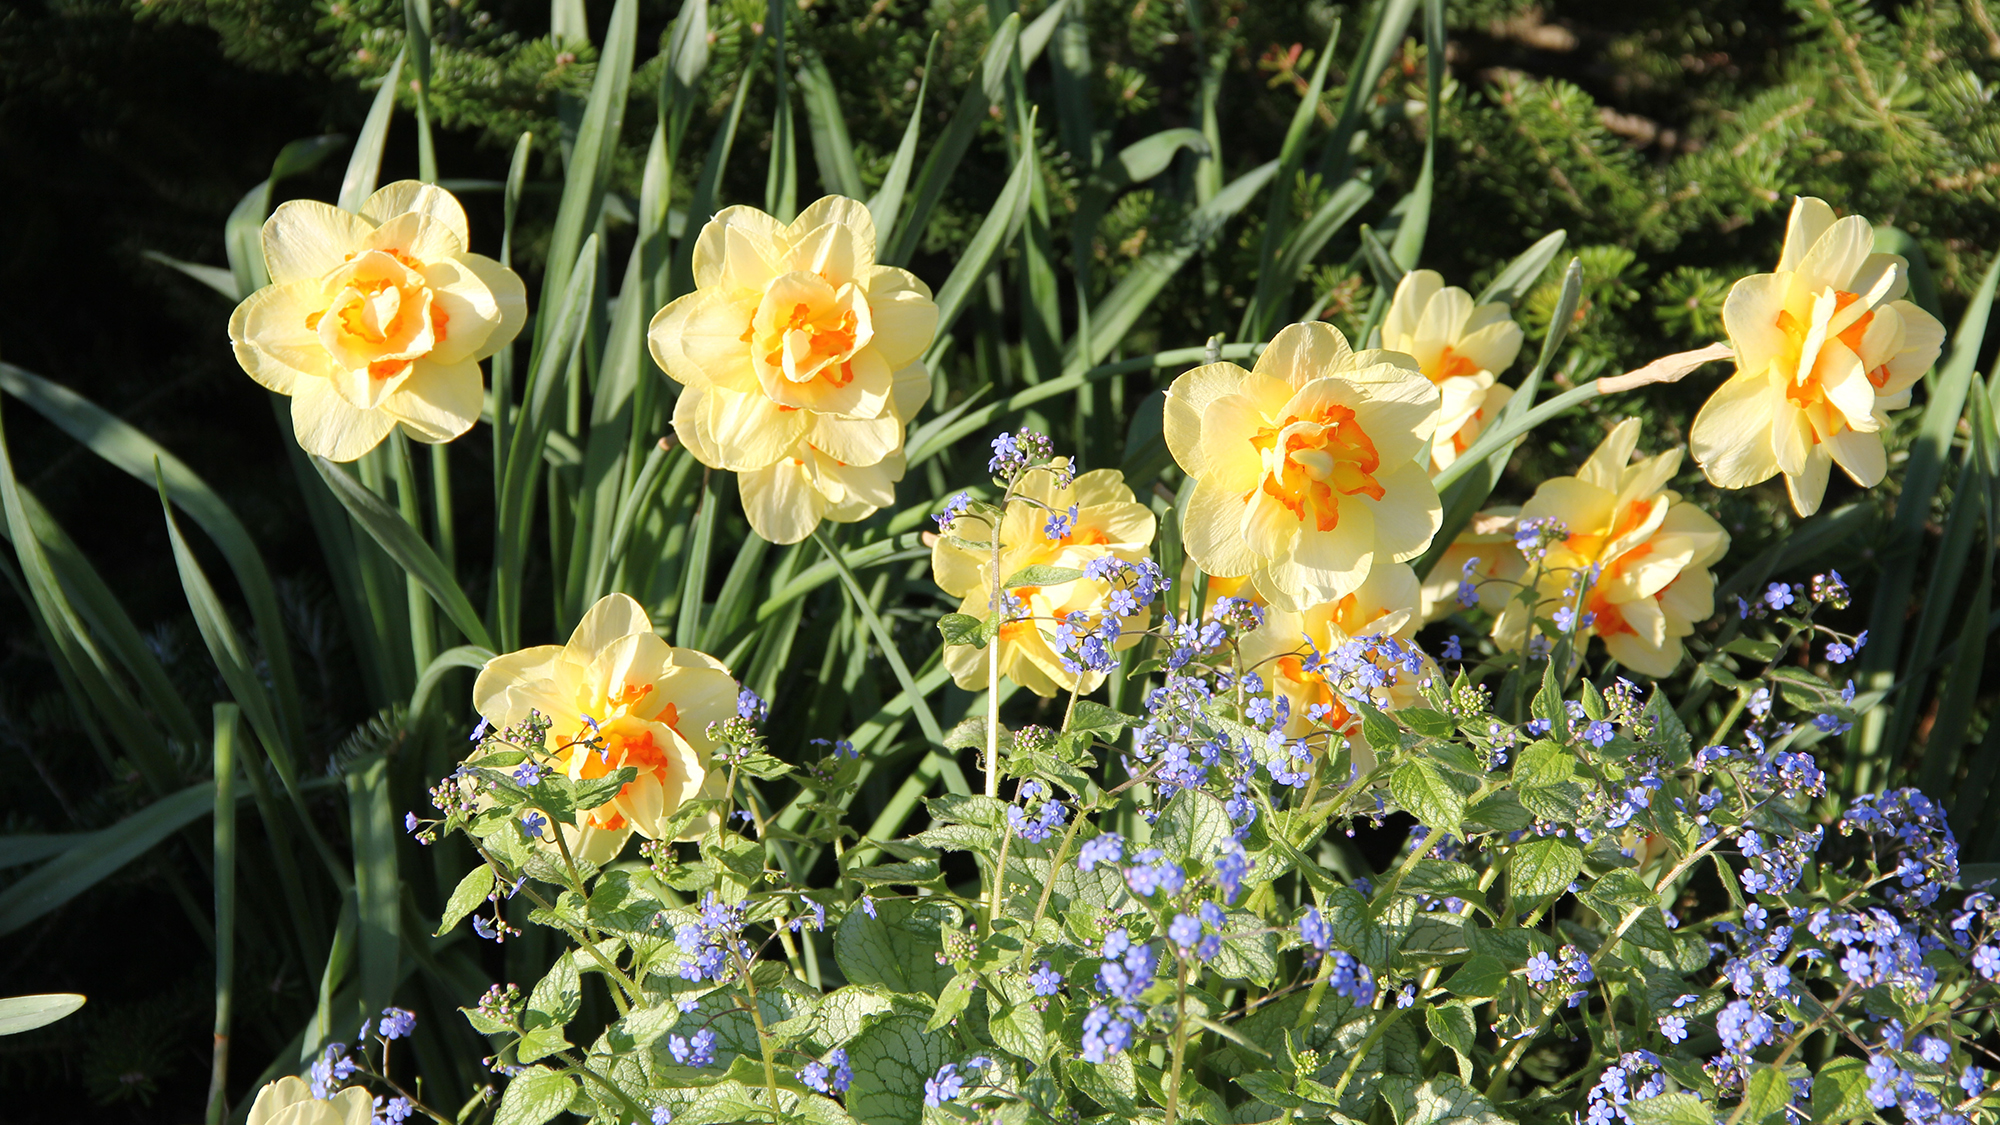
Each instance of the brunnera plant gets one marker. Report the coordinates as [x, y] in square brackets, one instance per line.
[1161, 899]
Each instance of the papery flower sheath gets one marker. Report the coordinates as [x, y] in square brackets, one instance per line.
[1461, 347]
[1305, 466]
[799, 359]
[376, 320]
[1109, 524]
[1825, 348]
[1650, 551]
[615, 695]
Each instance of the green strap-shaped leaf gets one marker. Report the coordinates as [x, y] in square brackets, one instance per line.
[99, 694]
[1259, 313]
[1512, 283]
[364, 167]
[378, 890]
[998, 229]
[950, 148]
[464, 656]
[404, 545]
[26, 1013]
[833, 150]
[887, 202]
[591, 154]
[127, 449]
[100, 854]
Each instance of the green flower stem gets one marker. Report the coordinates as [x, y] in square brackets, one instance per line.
[1179, 1041]
[763, 1039]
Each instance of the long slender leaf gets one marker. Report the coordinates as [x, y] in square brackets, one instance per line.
[100, 855]
[590, 160]
[859, 599]
[364, 168]
[378, 891]
[127, 449]
[832, 149]
[1259, 314]
[1512, 283]
[97, 692]
[950, 148]
[403, 544]
[464, 656]
[999, 227]
[239, 671]
[886, 205]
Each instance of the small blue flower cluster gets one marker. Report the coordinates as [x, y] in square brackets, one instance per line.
[1345, 975]
[1534, 537]
[1200, 933]
[1123, 978]
[695, 1050]
[954, 508]
[751, 707]
[948, 1083]
[1152, 873]
[1059, 525]
[1044, 823]
[832, 1075]
[707, 942]
[1014, 454]
[329, 1070]
[1635, 1077]
[1925, 852]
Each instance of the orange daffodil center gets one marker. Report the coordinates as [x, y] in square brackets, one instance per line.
[1281, 649]
[800, 362]
[1459, 346]
[376, 320]
[1305, 466]
[1109, 523]
[1650, 551]
[616, 695]
[1825, 348]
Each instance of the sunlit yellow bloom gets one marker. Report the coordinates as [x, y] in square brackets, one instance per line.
[1461, 347]
[1305, 467]
[616, 695]
[377, 319]
[800, 359]
[1109, 523]
[1652, 550]
[1489, 537]
[1385, 605]
[1824, 350]
[289, 1101]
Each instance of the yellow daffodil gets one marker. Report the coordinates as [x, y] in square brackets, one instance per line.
[1461, 347]
[1109, 524]
[1650, 551]
[376, 320]
[289, 1101]
[616, 695]
[1489, 539]
[1305, 467]
[800, 359]
[1308, 658]
[1824, 350]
